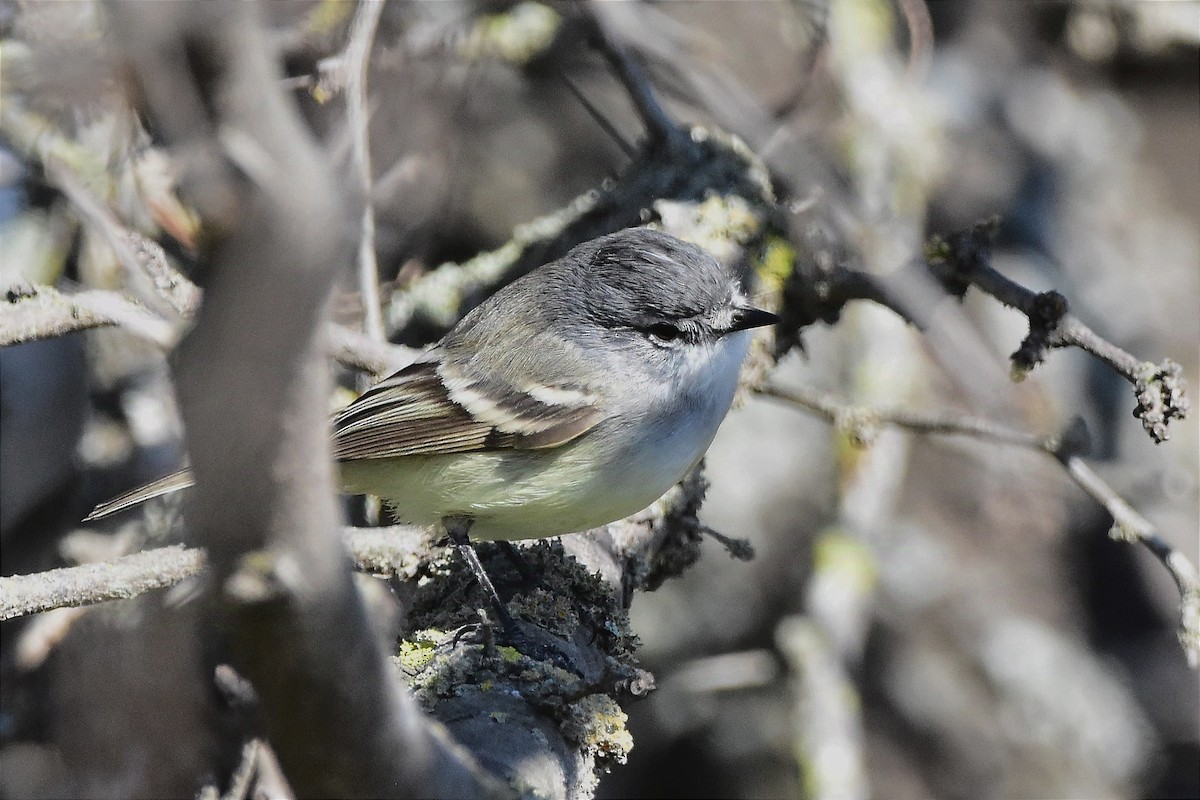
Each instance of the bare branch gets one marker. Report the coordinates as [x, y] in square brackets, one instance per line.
[661, 129]
[253, 393]
[357, 58]
[243, 777]
[384, 551]
[819, 291]
[861, 425]
[141, 257]
[1130, 526]
[138, 254]
[597, 116]
[920, 39]
[29, 312]
[963, 260]
[358, 350]
[87, 584]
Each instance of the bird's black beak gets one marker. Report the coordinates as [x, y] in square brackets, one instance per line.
[746, 318]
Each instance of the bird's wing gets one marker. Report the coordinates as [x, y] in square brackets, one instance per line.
[428, 408]
[424, 409]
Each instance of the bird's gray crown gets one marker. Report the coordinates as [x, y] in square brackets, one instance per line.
[639, 277]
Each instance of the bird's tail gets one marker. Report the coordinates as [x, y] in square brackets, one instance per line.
[171, 483]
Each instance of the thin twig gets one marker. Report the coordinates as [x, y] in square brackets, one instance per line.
[358, 52]
[358, 350]
[138, 254]
[1130, 526]
[356, 62]
[142, 256]
[660, 127]
[861, 424]
[920, 39]
[815, 292]
[599, 118]
[243, 777]
[963, 259]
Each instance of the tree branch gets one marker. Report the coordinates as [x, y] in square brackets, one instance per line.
[253, 394]
[28, 313]
[360, 351]
[88, 584]
[861, 425]
[146, 267]
[715, 170]
[817, 292]
[395, 551]
[661, 129]
[141, 256]
[963, 259]
[356, 61]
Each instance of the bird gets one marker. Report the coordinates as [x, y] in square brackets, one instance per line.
[573, 397]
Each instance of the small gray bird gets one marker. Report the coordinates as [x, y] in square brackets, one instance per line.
[573, 397]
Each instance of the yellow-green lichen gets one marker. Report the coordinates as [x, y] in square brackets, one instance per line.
[438, 295]
[509, 655]
[597, 724]
[716, 223]
[774, 265]
[846, 558]
[327, 16]
[517, 36]
[416, 653]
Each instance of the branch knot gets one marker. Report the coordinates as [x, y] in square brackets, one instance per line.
[955, 260]
[1045, 311]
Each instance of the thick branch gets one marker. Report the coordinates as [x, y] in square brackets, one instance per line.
[253, 393]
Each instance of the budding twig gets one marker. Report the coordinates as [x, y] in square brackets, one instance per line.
[862, 424]
[963, 259]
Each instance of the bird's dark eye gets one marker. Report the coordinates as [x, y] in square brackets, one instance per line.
[663, 332]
